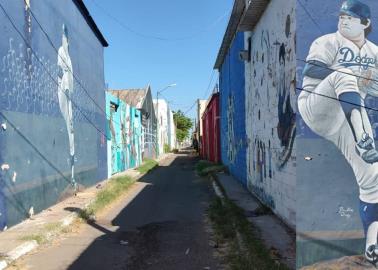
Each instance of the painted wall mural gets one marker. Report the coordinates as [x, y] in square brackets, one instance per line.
[271, 110]
[52, 132]
[125, 135]
[338, 60]
[65, 94]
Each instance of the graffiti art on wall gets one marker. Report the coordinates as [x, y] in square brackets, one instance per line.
[30, 84]
[286, 127]
[65, 94]
[230, 130]
[271, 116]
[337, 79]
[125, 135]
[41, 99]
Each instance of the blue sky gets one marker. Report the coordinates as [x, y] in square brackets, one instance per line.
[134, 61]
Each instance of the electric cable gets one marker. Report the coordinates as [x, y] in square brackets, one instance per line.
[147, 36]
[335, 98]
[340, 71]
[47, 71]
[24, 137]
[63, 60]
[310, 16]
[209, 85]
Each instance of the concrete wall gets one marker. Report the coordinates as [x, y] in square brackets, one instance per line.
[210, 136]
[328, 195]
[36, 146]
[163, 122]
[270, 109]
[171, 131]
[124, 135]
[232, 111]
[149, 123]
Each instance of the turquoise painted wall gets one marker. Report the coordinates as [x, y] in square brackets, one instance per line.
[124, 133]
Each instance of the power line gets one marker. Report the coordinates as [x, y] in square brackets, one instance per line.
[191, 107]
[61, 58]
[209, 85]
[33, 146]
[340, 71]
[75, 76]
[310, 16]
[334, 98]
[148, 36]
[49, 74]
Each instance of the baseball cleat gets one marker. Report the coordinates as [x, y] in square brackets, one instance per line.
[365, 149]
[371, 255]
[366, 143]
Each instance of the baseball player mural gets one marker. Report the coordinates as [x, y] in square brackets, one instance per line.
[65, 92]
[341, 70]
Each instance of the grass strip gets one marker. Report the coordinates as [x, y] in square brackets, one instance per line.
[111, 192]
[245, 250]
[46, 233]
[205, 168]
[148, 165]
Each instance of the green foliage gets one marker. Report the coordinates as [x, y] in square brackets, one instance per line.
[167, 149]
[112, 191]
[205, 168]
[246, 249]
[183, 125]
[148, 165]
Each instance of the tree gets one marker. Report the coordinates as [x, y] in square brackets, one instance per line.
[183, 125]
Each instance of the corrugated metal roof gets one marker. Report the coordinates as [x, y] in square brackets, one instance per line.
[237, 12]
[243, 18]
[252, 14]
[133, 97]
[88, 18]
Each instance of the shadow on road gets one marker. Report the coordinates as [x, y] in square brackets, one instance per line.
[161, 228]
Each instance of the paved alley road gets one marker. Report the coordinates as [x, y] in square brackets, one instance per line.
[161, 220]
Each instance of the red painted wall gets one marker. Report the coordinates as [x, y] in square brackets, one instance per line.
[211, 132]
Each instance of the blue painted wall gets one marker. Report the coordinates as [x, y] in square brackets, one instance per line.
[35, 146]
[232, 111]
[327, 193]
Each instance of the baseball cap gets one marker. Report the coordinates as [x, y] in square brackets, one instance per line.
[356, 9]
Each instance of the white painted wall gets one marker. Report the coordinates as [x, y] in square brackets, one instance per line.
[172, 131]
[271, 154]
[162, 116]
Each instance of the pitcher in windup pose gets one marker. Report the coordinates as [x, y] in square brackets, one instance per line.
[65, 93]
[341, 71]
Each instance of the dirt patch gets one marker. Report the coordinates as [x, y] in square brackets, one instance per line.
[168, 245]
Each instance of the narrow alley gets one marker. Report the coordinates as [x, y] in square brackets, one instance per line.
[159, 224]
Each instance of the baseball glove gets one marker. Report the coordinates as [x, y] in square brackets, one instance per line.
[368, 81]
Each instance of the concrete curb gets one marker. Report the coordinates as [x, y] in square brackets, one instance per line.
[18, 252]
[66, 221]
[3, 264]
[29, 246]
[283, 241]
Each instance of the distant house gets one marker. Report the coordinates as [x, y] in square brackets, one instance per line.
[166, 126]
[172, 140]
[142, 100]
[51, 105]
[201, 106]
[211, 130]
